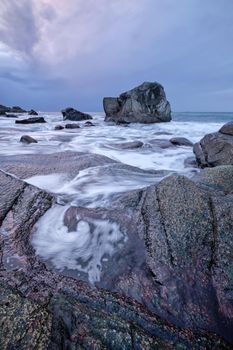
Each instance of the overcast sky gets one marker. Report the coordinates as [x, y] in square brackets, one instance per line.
[59, 53]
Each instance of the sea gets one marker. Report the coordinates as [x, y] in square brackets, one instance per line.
[93, 187]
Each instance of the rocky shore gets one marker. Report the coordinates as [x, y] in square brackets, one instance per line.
[154, 269]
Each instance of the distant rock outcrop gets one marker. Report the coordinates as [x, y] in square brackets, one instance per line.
[146, 103]
[73, 114]
[32, 112]
[32, 120]
[17, 109]
[216, 148]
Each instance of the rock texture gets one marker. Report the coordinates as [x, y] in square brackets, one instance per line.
[32, 120]
[214, 149]
[73, 114]
[176, 264]
[72, 126]
[146, 103]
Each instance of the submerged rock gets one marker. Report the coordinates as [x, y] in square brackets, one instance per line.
[59, 127]
[127, 145]
[89, 124]
[146, 103]
[32, 112]
[181, 141]
[72, 126]
[214, 149]
[32, 120]
[73, 114]
[28, 139]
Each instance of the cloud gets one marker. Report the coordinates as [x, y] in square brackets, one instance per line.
[90, 49]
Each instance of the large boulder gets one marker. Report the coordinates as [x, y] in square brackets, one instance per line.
[73, 114]
[146, 103]
[227, 129]
[214, 149]
[41, 308]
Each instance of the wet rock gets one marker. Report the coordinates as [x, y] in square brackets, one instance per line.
[72, 126]
[28, 139]
[161, 143]
[32, 112]
[190, 162]
[17, 109]
[182, 237]
[89, 124]
[32, 120]
[158, 133]
[59, 127]
[146, 103]
[73, 114]
[8, 115]
[227, 129]
[214, 149]
[181, 141]
[127, 145]
[69, 163]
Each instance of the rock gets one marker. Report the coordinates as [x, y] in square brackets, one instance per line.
[73, 114]
[32, 120]
[162, 133]
[32, 112]
[8, 115]
[17, 109]
[28, 139]
[89, 124]
[161, 143]
[122, 123]
[59, 127]
[69, 163]
[190, 162]
[181, 141]
[72, 126]
[4, 110]
[227, 129]
[127, 145]
[214, 149]
[146, 103]
[57, 310]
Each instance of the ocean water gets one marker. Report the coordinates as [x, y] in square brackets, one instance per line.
[93, 187]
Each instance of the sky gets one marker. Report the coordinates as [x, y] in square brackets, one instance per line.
[60, 53]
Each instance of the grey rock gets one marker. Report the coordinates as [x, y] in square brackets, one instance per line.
[161, 143]
[32, 112]
[59, 127]
[27, 139]
[190, 162]
[214, 149]
[73, 114]
[4, 110]
[17, 109]
[72, 126]
[88, 123]
[227, 129]
[181, 141]
[127, 145]
[146, 103]
[33, 120]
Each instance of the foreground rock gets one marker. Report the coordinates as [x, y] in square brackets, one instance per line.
[57, 311]
[146, 103]
[27, 139]
[33, 120]
[59, 127]
[32, 112]
[215, 149]
[73, 114]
